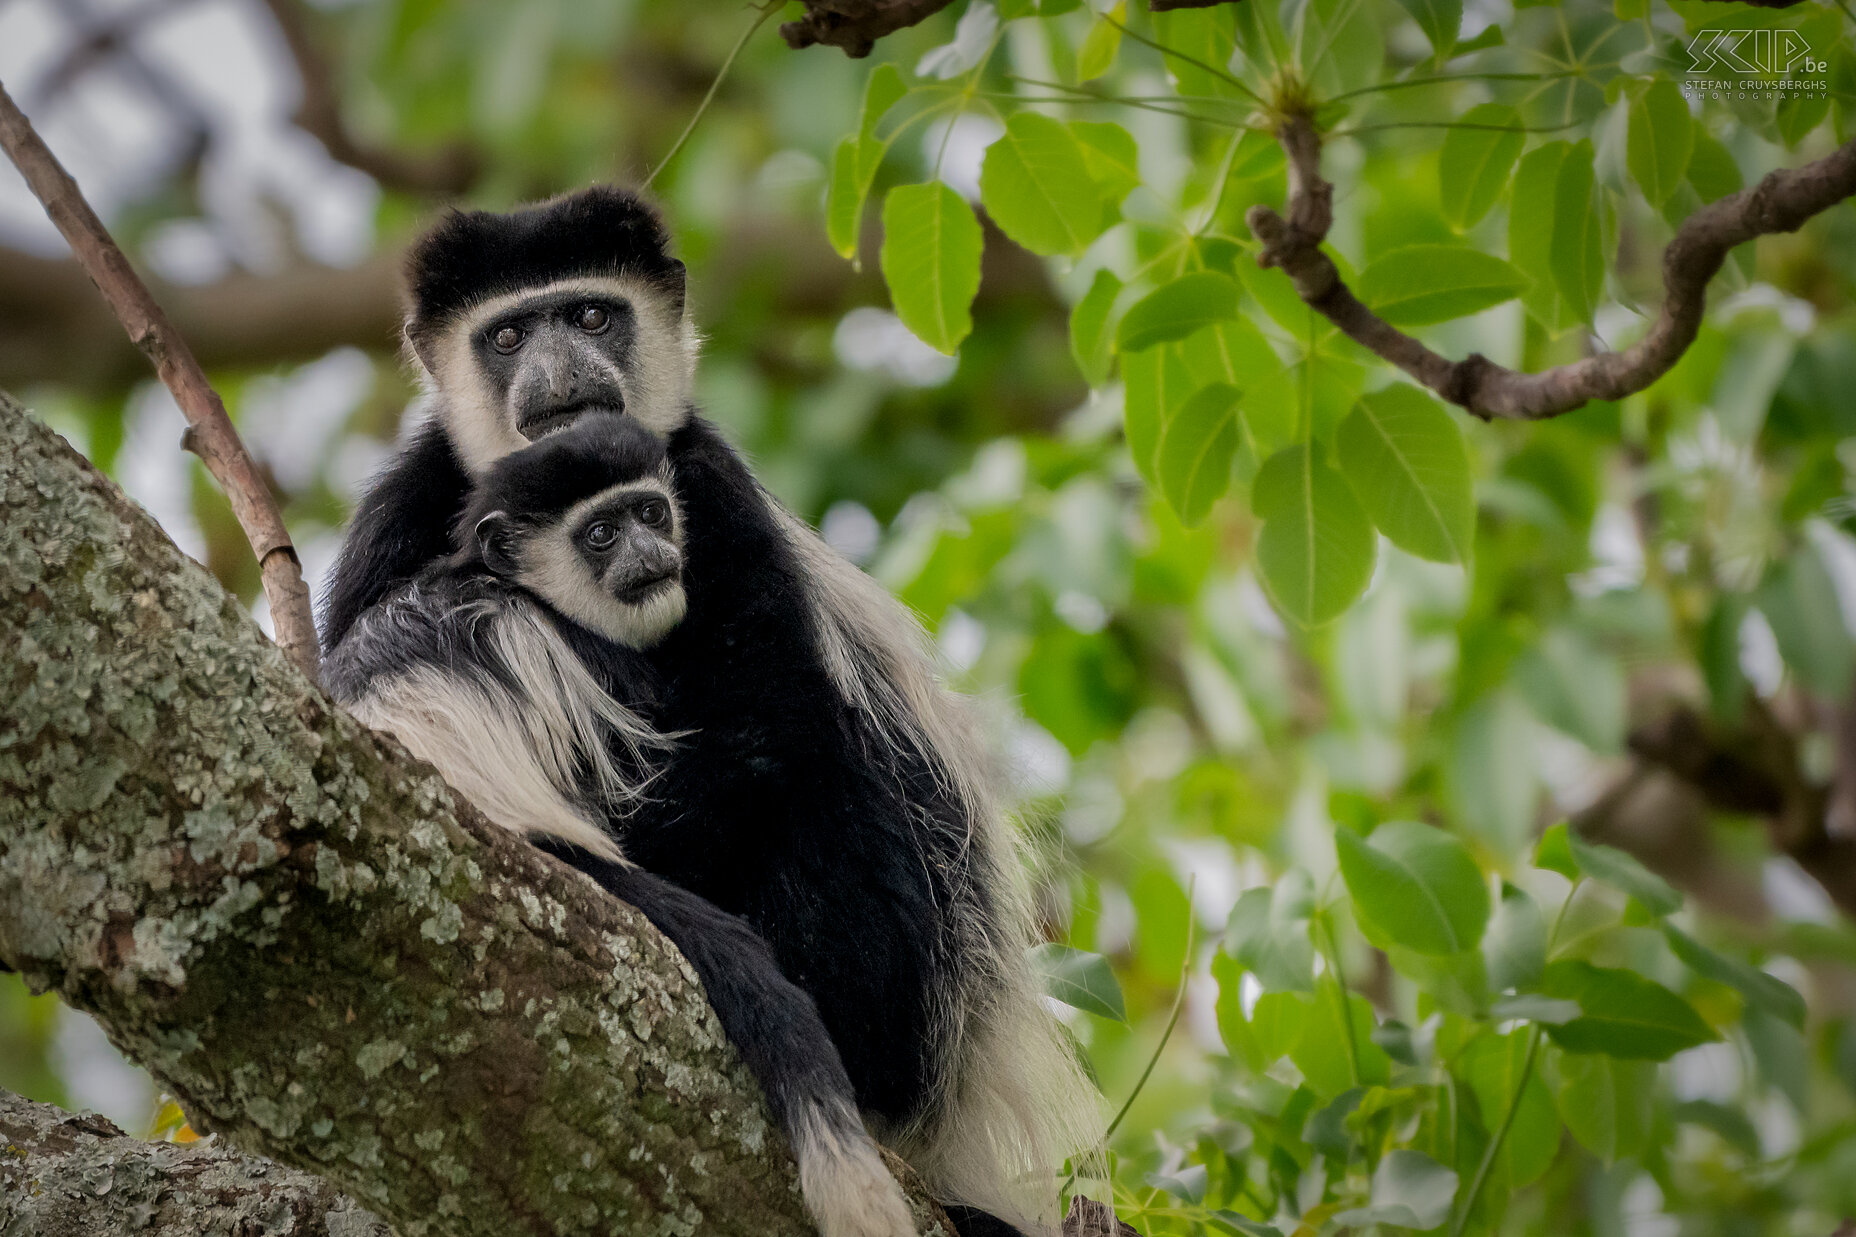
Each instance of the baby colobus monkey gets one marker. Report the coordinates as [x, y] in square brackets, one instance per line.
[827, 788]
[500, 693]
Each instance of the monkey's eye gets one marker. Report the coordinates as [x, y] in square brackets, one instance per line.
[653, 514]
[508, 338]
[600, 535]
[593, 319]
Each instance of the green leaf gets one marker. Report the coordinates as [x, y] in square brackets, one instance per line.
[1767, 992]
[1037, 188]
[1410, 1190]
[1196, 450]
[1515, 945]
[855, 161]
[1090, 341]
[1495, 1068]
[1625, 1015]
[931, 262]
[1421, 284]
[1268, 932]
[1110, 155]
[1417, 884]
[1100, 45]
[1577, 251]
[1235, 352]
[1575, 686]
[1492, 776]
[1532, 1007]
[1177, 309]
[1530, 228]
[1554, 853]
[1278, 1021]
[1611, 866]
[1473, 169]
[1608, 1104]
[1156, 382]
[1080, 980]
[1439, 19]
[1659, 137]
[1800, 602]
[1409, 467]
[1316, 549]
[1712, 169]
[1325, 1053]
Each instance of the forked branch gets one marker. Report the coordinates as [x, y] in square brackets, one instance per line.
[1781, 202]
[210, 434]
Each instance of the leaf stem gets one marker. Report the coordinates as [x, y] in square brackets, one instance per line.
[1501, 1135]
[1346, 1005]
[766, 10]
[1164, 50]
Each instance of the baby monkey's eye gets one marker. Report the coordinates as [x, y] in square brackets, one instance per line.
[508, 338]
[653, 514]
[600, 535]
[593, 319]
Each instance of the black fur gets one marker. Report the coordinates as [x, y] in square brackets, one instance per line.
[786, 806]
[471, 256]
[402, 524]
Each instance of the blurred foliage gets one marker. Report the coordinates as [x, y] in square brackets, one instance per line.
[1294, 665]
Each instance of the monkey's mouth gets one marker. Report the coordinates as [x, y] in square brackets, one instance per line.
[637, 592]
[545, 423]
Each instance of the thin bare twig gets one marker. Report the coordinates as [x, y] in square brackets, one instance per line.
[210, 434]
[855, 25]
[444, 172]
[1781, 202]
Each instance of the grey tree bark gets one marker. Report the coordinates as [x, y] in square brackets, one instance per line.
[309, 939]
[79, 1176]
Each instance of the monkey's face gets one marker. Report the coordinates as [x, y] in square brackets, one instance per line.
[613, 562]
[523, 365]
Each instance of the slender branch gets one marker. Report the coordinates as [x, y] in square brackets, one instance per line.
[765, 11]
[855, 25]
[449, 170]
[1781, 202]
[210, 434]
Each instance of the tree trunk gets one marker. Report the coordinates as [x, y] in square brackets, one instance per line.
[308, 938]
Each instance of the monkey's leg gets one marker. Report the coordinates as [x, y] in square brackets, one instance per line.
[776, 1029]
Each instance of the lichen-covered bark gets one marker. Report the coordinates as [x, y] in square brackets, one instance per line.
[330, 959]
[69, 1176]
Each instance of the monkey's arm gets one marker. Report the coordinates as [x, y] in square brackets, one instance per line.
[402, 523]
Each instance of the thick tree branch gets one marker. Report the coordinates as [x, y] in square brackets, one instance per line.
[855, 25]
[210, 434]
[444, 172]
[1781, 202]
[308, 939]
[55, 329]
[79, 1176]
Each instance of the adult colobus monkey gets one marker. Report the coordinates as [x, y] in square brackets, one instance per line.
[829, 790]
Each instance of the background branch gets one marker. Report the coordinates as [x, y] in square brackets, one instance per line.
[326, 956]
[1781, 202]
[447, 171]
[210, 434]
[80, 1176]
